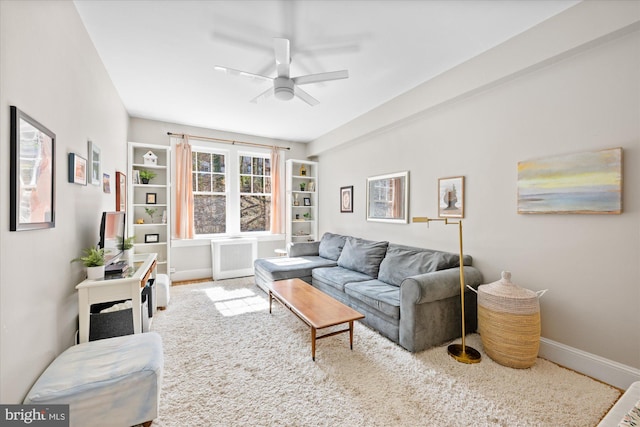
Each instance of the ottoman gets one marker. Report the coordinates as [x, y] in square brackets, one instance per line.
[110, 382]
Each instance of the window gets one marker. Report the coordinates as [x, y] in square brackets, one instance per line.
[255, 192]
[231, 191]
[209, 192]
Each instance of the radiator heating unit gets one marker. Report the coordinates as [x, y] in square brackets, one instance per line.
[233, 257]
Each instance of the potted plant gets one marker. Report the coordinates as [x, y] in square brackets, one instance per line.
[150, 212]
[146, 176]
[303, 185]
[93, 259]
[126, 246]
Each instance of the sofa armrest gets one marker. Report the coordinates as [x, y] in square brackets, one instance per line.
[437, 285]
[303, 249]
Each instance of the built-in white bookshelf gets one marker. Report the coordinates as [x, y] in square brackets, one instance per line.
[302, 201]
[152, 232]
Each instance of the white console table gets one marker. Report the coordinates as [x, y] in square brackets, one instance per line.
[128, 285]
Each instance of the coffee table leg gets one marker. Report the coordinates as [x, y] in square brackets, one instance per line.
[270, 299]
[351, 334]
[313, 343]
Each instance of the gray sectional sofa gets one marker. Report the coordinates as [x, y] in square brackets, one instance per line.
[410, 295]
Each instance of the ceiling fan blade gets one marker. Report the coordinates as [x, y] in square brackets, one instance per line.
[282, 49]
[234, 72]
[305, 96]
[321, 77]
[264, 95]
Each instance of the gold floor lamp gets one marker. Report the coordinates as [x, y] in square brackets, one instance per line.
[460, 352]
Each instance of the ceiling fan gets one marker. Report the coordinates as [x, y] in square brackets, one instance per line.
[284, 86]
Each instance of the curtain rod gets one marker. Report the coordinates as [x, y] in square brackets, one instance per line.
[227, 141]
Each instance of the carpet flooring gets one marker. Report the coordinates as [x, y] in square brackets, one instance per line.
[228, 362]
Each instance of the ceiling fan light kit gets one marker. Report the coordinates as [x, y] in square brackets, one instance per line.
[285, 87]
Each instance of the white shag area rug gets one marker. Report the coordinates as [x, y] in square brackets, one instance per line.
[228, 362]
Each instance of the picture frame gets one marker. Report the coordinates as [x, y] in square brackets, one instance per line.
[583, 183]
[32, 168]
[152, 238]
[346, 199]
[95, 176]
[121, 192]
[77, 169]
[152, 198]
[388, 198]
[451, 197]
[106, 183]
[136, 177]
[307, 201]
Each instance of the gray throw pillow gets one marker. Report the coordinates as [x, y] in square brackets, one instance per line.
[331, 246]
[402, 262]
[364, 256]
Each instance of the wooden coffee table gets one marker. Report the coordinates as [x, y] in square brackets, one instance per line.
[313, 307]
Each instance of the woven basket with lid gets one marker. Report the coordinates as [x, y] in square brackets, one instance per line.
[509, 322]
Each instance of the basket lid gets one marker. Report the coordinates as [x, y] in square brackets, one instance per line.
[506, 289]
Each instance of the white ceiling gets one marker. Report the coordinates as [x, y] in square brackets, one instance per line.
[161, 54]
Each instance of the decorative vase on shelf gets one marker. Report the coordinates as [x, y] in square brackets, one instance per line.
[94, 273]
[303, 171]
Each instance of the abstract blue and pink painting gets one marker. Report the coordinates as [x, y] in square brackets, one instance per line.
[582, 183]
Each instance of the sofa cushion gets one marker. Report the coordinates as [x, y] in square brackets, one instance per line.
[362, 255]
[379, 295]
[401, 262]
[331, 246]
[281, 268]
[337, 277]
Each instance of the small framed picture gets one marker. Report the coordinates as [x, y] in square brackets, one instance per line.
[307, 201]
[77, 169]
[106, 183]
[94, 164]
[136, 176]
[152, 238]
[152, 198]
[451, 197]
[346, 199]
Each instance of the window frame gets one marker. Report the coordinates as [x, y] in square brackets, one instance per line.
[232, 180]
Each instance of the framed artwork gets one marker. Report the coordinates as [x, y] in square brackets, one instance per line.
[95, 177]
[77, 169]
[388, 198]
[346, 199]
[121, 192]
[307, 201]
[152, 238]
[151, 198]
[451, 197]
[32, 180]
[582, 183]
[106, 183]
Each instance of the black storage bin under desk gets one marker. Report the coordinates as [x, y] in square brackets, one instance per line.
[114, 323]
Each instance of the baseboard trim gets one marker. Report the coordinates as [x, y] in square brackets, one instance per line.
[181, 276]
[605, 370]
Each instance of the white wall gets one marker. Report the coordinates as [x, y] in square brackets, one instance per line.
[192, 260]
[50, 70]
[568, 85]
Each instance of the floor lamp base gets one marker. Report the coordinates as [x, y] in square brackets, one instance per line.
[464, 354]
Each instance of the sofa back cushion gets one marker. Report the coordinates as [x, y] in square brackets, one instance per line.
[401, 262]
[331, 246]
[362, 255]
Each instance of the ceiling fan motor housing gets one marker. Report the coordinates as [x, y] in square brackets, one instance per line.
[283, 88]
